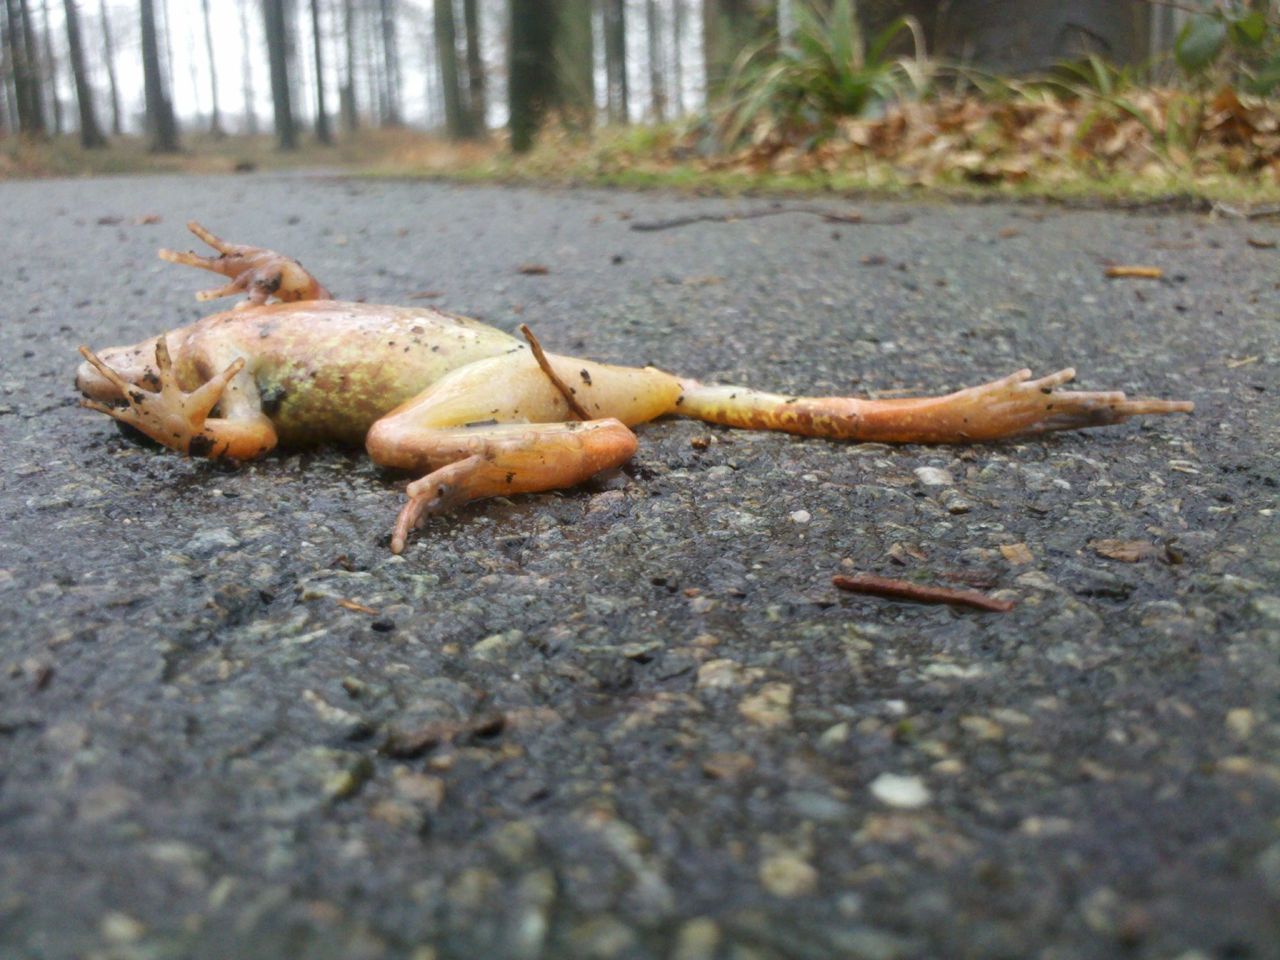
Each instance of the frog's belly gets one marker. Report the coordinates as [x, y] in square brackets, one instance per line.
[312, 404]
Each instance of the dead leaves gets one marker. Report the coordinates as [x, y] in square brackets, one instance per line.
[1120, 272]
[1147, 132]
[1134, 551]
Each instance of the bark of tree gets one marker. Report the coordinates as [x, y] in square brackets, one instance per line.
[615, 59]
[728, 28]
[323, 133]
[278, 57]
[215, 115]
[51, 71]
[161, 125]
[657, 75]
[91, 137]
[477, 82]
[531, 77]
[347, 96]
[246, 72]
[677, 55]
[456, 120]
[109, 54]
[575, 63]
[391, 57]
[26, 82]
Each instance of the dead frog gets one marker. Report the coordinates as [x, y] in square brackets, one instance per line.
[476, 410]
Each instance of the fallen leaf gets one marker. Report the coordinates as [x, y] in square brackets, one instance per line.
[533, 269]
[146, 219]
[1017, 553]
[1135, 273]
[1260, 243]
[1127, 551]
[357, 607]
[426, 295]
[1243, 361]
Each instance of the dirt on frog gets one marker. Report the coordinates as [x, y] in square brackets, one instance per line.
[636, 719]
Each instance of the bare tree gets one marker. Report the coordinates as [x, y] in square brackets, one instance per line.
[322, 114]
[657, 77]
[246, 72]
[91, 137]
[391, 58]
[348, 105]
[26, 81]
[51, 70]
[109, 55]
[215, 115]
[677, 54]
[278, 57]
[477, 97]
[575, 63]
[160, 123]
[615, 59]
[456, 120]
[531, 77]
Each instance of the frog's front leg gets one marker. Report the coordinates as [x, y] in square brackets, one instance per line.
[178, 419]
[254, 271]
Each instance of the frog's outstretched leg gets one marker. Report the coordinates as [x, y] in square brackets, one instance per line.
[254, 271]
[1014, 406]
[501, 426]
[178, 419]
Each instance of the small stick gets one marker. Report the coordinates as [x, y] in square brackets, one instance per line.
[1135, 273]
[830, 216]
[905, 590]
[541, 357]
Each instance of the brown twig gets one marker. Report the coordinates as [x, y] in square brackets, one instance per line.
[917, 593]
[830, 216]
[560, 385]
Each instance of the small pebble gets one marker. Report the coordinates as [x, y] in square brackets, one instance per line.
[905, 793]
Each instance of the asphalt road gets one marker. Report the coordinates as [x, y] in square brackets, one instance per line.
[634, 719]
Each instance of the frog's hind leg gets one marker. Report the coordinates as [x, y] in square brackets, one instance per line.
[255, 271]
[1013, 406]
[502, 426]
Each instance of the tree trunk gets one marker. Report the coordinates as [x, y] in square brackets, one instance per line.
[91, 137]
[677, 55]
[278, 57]
[109, 54]
[349, 106]
[531, 77]
[615, 59]
[728, 28]
[160, 123]
[391, 57]
[26, 84]
[657, 76]
[322, 114]
[51, 71]
[477, 98]
[575, 64]
[166, 33]
[215, 115]
[456, 122]
[246, 72]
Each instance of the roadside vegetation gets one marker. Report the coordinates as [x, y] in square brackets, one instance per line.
[829, 109]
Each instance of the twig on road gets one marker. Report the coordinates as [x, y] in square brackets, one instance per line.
[830, 216]
[918, 593]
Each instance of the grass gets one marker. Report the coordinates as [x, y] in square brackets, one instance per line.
[638, 158]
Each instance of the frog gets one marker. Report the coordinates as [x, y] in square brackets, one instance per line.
[474, 411]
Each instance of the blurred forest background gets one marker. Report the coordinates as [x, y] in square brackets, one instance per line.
[882, 91]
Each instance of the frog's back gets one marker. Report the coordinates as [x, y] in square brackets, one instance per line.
[326, 370]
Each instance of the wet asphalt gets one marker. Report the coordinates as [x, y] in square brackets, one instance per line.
[634, 719]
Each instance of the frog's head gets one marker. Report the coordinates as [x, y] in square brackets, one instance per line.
[136, 364]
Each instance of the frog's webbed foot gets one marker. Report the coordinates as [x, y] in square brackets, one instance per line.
[441, 491]
[167, 415]
[254, 271]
